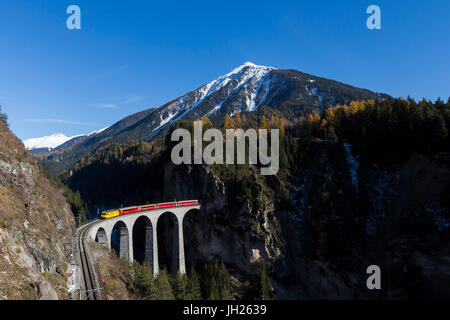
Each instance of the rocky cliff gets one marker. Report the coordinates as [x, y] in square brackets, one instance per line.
[402, 225]
[36, 227]
[234, 231]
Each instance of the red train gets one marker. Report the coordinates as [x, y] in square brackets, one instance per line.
[148, 207]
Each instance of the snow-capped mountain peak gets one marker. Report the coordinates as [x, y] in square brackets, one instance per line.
[243, 84]
[55, 140]
[248, 72]
[250, 67]
[50, 142]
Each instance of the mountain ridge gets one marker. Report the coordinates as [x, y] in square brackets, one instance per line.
[246, 88]
[50, 142]
[54, 141]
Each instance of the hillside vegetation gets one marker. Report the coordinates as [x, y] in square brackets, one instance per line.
[36, 226]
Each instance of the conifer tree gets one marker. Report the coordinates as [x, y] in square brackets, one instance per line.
[284, 161]
[194, 290]
[144, 280]
[260, 282]
[224, 282]
[438, 130]
[163, 286]
[266, 285]
[331, 135]
[180, 286]
[214, 293]
[3, 116]
[220, 276]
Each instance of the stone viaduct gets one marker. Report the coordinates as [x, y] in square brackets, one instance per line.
[102, 231]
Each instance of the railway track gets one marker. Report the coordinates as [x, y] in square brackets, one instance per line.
[89, 288]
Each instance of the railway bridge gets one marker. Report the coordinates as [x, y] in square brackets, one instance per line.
[127, 227]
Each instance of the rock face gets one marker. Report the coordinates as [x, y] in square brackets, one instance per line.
[237, 234]
[115, 280]
[36, 227]
[403, 199]
[402, 225]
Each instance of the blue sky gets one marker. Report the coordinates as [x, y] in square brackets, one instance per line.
[133, 55]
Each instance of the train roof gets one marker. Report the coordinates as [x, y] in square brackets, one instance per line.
[126, 208]
[150, 204]
[109, 211]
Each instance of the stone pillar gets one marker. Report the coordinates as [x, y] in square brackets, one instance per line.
[182, 262]
[148, 251]
[124, 246]
[175, 263]
[155, 247]
[109, 237]
[130, 245]
[102, 237]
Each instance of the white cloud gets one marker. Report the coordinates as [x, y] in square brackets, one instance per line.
[106, 105]
[117, 102]
[132, 99]
[60, 121]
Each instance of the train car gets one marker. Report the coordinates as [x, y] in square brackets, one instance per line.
[109, 214]
[148, 207]
[128, 210]
[188, 203]
[167, 205]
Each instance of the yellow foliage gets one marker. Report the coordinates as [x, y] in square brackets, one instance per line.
[264, 124]
[228, 122]
[282, 125]
[206, 123]
[237, 119]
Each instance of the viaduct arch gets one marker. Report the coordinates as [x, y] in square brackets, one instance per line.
[133, 228]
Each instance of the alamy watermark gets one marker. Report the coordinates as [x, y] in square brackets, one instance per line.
[374, 21]
[374, 281]
[213, 153]
[74, 20]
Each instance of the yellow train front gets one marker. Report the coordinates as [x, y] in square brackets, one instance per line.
[109, 214]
